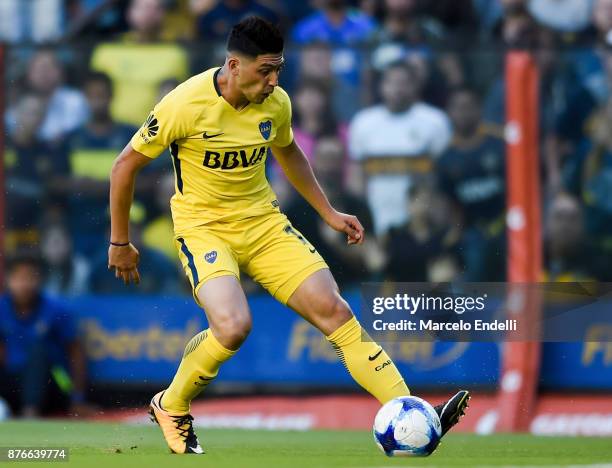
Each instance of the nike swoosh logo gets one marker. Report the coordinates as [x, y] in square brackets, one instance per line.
[206, 136]
[371, 358]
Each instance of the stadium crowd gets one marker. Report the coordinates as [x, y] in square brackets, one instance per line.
[399, 104]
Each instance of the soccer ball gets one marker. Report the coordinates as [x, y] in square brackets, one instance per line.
[407, 426]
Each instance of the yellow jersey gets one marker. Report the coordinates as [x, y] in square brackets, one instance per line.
[219, 153]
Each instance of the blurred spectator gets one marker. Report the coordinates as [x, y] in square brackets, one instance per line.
[32, 168]
[139, 64]
[564, 102]
[179, 21]
[444, 268]
[92, 151]
[65, 108]
[350, 266]
[594, 64]
[412, 246]
[517, 28]
[158, 234]
[166, 86]
[488, 13]
[41, 360]
[392, 141]
[405, 23]
[569, 256]
[334, 23]
[145, 19]
[67, 271]
[316, 64]
[459, 19]
[472, 173]
[169, 20]
[602, 21]
[588, 173]
[217, 22]
[96, 18]
[295, 11]
[568, 16]
[314, 117]
[343, 29]
[31, 20]
[158, 275]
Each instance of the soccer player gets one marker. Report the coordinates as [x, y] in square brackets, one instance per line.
[219, 125]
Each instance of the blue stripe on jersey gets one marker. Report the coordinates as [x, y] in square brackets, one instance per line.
[190, 262]
[177, 166]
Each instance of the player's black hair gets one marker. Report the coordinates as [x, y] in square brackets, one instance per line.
[99, 77]
[255, 36]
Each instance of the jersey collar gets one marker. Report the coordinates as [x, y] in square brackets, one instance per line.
[217, 89]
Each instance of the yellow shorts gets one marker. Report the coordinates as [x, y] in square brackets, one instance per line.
[267, 248]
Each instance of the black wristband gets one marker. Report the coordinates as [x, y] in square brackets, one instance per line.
[117, 244]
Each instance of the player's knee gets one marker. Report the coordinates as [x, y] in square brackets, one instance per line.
[333, 313]
[341, 312]
[233, 329]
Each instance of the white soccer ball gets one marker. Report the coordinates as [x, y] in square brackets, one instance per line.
[407, 426]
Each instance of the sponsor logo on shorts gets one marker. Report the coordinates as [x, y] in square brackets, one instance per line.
[275, 203]
[289, 230]
[211, 256]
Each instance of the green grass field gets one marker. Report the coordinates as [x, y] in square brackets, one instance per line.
[119, 445]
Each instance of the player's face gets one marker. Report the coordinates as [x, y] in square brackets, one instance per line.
[258, 77]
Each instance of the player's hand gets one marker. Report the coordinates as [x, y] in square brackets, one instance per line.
[348, 224]
[124, 260]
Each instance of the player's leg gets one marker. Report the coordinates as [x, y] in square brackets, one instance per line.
[229, 322]
[288, 266]
[211, 267]
[318, 300]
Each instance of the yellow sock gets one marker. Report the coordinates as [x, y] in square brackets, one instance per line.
[378, 376]
[200, 364]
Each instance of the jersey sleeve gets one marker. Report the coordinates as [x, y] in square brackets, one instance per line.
[284, 134]
[169, 121]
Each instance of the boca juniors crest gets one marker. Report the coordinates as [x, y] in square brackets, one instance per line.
[265, 128]
[211, 256]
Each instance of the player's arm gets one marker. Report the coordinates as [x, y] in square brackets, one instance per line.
[296, 167]
[124, 259]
